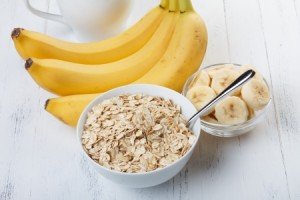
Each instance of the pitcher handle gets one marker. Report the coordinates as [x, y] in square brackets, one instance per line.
[45, 15]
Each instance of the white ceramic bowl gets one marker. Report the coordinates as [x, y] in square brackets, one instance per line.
[146, 179]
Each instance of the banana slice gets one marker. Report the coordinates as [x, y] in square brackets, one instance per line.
[223, 78]
[232, 110]
[256, 94]
[246, 67]
[200, 78]
[251, 113]
[200, 96]
[213, 70]
[210, 119]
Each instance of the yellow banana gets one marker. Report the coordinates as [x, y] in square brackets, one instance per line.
[33, 44]
[68, 109]
[183, 56]
[66, 78]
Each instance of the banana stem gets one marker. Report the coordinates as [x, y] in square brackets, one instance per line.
[173, 5]
[185, 6]
[164, 3]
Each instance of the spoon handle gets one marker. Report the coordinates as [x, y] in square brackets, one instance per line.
[231, 88]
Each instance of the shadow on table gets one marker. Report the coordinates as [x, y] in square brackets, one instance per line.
[211, 155]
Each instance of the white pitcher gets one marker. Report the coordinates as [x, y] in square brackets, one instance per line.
[90, 20]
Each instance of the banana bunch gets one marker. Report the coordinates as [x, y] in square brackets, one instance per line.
[235, 109]
[164, 48]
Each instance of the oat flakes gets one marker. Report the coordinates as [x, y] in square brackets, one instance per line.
[136, 133]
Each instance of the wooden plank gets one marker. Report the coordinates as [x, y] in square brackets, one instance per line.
[212, 13]
[236, 163]
[296, 6]
[281, 30]
[20, 109]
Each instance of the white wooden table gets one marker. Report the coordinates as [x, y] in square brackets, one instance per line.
[39, 156]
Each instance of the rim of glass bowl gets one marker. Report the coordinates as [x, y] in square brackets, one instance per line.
[224, 127]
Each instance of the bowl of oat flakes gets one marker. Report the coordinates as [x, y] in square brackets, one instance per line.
[136, 136]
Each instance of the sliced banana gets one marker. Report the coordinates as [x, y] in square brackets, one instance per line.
[246, 67]
[251, 113]
[210, 119]
[256, 94]
[200, 96]
[223, 78]
[201, 78]
[232, 110]
[239, 107]
[213, 70]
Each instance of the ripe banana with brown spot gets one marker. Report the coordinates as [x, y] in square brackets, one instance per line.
[32, 44]
[182, 58]
[184, 54]
[68, 109]
[66, 78]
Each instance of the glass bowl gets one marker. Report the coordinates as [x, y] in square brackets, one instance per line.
[222, 130]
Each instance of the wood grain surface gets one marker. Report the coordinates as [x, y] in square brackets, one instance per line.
[40, 158]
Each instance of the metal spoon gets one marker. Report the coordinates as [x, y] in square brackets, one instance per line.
[231, 88]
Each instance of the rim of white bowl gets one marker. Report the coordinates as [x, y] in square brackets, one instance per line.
[83, 116]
